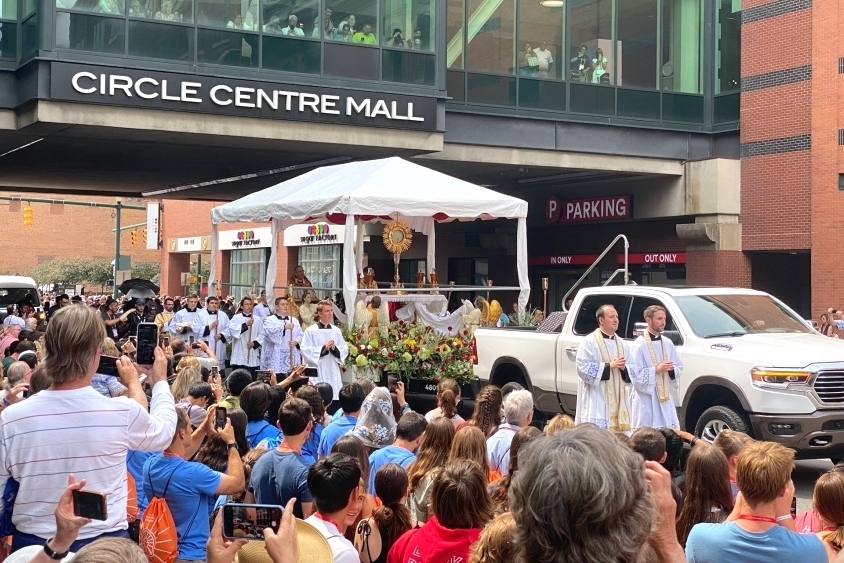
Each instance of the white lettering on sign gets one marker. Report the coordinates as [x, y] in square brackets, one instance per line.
[660, 258]
[116, 85]
[609, 208]
[560, 260]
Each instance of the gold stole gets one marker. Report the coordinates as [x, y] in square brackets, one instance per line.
[619, 418]
[661, 377]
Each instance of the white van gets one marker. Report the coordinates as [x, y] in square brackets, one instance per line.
[14, 289]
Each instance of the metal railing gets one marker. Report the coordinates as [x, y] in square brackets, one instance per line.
[624, 270]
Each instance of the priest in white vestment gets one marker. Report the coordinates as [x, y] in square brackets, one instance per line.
[246, 335]
[603, 367]
[187, 321]
[658, 370]
[213, 324]
[324, 349]
[282, 338]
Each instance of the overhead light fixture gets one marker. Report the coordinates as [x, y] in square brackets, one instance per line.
[553, 3]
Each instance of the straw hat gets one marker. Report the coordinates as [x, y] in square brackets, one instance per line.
[313, 547]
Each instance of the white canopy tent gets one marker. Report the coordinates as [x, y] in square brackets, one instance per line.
[372, 191]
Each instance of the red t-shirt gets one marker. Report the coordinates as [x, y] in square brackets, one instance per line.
[433, 543]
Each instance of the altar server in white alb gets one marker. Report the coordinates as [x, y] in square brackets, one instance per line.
[246, 335]
[282, 338]
[324, 349]
[658, 370]
[214, 324]
[604, 367]
[187, 322]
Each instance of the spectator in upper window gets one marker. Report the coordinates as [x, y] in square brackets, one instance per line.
[365, 35]
[293, 27]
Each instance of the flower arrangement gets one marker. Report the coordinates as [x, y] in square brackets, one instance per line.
[411, 350]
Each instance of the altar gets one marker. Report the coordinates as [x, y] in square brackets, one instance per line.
[355, 193]
[436, 304]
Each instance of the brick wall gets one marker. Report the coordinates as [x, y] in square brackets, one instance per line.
[827, 118]
[776, 118]
[182, 219]
[718, 267]
[77, 232]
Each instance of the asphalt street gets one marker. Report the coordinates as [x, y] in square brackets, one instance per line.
[804, 476]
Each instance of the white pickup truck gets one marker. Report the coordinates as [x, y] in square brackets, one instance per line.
[750, 363]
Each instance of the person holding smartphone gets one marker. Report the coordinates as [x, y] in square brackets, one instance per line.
[190, 487]
[65, 425]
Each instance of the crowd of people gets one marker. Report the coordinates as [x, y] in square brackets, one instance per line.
[361, 476]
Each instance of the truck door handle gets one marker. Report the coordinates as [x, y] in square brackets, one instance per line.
[571, 350]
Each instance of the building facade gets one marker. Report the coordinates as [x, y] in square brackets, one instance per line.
[608, 116]
[67, 232]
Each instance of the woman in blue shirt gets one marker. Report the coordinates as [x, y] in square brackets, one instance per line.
[311, 396]
[254, 400]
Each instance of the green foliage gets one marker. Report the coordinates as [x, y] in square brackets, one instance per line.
[147, 271]
[94, 271]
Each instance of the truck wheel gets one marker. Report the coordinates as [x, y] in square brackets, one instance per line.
[715, 419]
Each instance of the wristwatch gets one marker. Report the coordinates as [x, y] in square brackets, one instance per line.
[53, 554]
[232, 445]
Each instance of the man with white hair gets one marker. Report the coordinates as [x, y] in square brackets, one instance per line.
[32, 323]
[19, 372]
[518, 413]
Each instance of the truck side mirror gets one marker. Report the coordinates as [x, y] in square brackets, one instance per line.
[639, 329]
[673, 336]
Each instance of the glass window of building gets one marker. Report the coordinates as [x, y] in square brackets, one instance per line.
[231, 14]
[682, 46]
[356, 21]
[322, 265]
[97, 6]
[409, 24]
[178, 11]
[728, 46]
[454, 20]
[8, 9]
[8, 40]
[491, 38]
[247, 267]
[591, 41]
[298, 19]
[541, 26]
[636, 50]
[89, 32]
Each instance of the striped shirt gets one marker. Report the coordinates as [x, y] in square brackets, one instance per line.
[55, 433]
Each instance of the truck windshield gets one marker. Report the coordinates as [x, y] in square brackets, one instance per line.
[713, 316]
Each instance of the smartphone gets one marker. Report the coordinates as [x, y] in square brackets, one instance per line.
[263, 375]
[220, 417]
[164, 340]
[214, 372]
[108, 366]
[193, 344]
[88, 504]
[794, 507]
[147, 341]
[248, 521]
[392, 382]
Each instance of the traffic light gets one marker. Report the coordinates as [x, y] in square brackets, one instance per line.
[27, 216]
[134, 238]
[144, 236]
